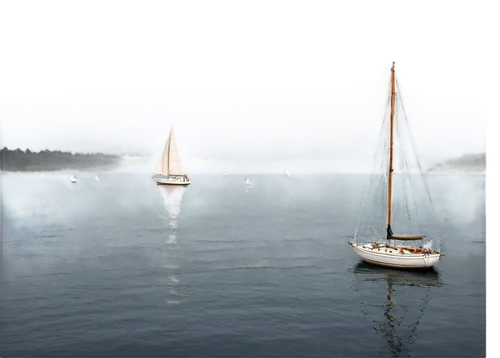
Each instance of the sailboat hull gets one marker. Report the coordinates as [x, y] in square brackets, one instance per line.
[171, 182]
[390, 257]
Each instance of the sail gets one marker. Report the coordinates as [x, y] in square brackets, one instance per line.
[162, 167]
[175, 164]
[170, 163]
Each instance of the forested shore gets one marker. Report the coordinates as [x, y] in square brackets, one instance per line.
[18, 160]
[468, 163]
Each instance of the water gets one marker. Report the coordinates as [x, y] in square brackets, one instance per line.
[123, 267]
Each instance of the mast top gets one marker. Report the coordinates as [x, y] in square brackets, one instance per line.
[393, 65]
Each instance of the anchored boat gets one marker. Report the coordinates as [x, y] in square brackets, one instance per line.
[169, 170]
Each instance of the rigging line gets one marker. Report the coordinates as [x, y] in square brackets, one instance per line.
[414, 146]
[365, 196]
[403, 166]
[381, 191]
[412, 193]
[384, 120]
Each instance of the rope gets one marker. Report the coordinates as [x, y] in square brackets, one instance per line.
[371, 175]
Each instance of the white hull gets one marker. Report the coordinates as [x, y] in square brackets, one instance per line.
[391, 257]
[171, 182]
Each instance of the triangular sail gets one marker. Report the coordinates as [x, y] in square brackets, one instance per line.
[169, 163]
[174, 165]
[162, 167]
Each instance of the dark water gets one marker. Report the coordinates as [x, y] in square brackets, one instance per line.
[122, 267]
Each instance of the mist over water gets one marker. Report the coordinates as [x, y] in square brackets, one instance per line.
[123, 267]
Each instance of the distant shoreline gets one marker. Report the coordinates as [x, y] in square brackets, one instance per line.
[466, 164]
[55, 161]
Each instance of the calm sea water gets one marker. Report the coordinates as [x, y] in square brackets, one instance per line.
[123, 267]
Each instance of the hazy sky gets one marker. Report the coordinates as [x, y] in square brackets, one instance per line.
[342, 123]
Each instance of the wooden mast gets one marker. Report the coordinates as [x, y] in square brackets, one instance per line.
[390, 235]
[389, 191]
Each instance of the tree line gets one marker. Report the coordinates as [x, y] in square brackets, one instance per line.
[47, 160]
[467, 162]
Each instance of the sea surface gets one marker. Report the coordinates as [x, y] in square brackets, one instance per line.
[121, 267]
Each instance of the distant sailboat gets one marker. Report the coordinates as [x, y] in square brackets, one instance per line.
[169, 171]
[224, 173]
[287, 174]
[73, 179]
[248, 182]
[96, 178]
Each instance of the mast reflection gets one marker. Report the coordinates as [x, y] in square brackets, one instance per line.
[408, 294]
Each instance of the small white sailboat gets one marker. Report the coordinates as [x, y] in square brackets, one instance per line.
[96, 178]
[169, 170]
[73, 179]
[287, 174]
[224, 173]
[248, 182]
[389, 253]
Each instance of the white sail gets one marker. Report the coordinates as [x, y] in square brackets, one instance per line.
[174, 165]
[169, 163]
[162, 167]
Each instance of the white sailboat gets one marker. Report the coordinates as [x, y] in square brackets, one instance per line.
[96, 178]
[287, 174]
[389, 253]
[169, 170]
[73, 179]
[248, 182]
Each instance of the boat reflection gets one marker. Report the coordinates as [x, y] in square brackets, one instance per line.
[407, 295]
[172, 198]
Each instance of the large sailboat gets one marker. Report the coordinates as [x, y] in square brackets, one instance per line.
[394, 250]
[169, 170]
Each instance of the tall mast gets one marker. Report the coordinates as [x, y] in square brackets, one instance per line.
[389, 190]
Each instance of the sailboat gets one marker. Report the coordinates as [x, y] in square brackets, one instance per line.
[169, 170]
[248, 182]
[73, 179]
[389, 253]
[287, 174]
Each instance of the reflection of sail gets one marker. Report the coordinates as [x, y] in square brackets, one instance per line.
[172, 197]
[398, 315]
